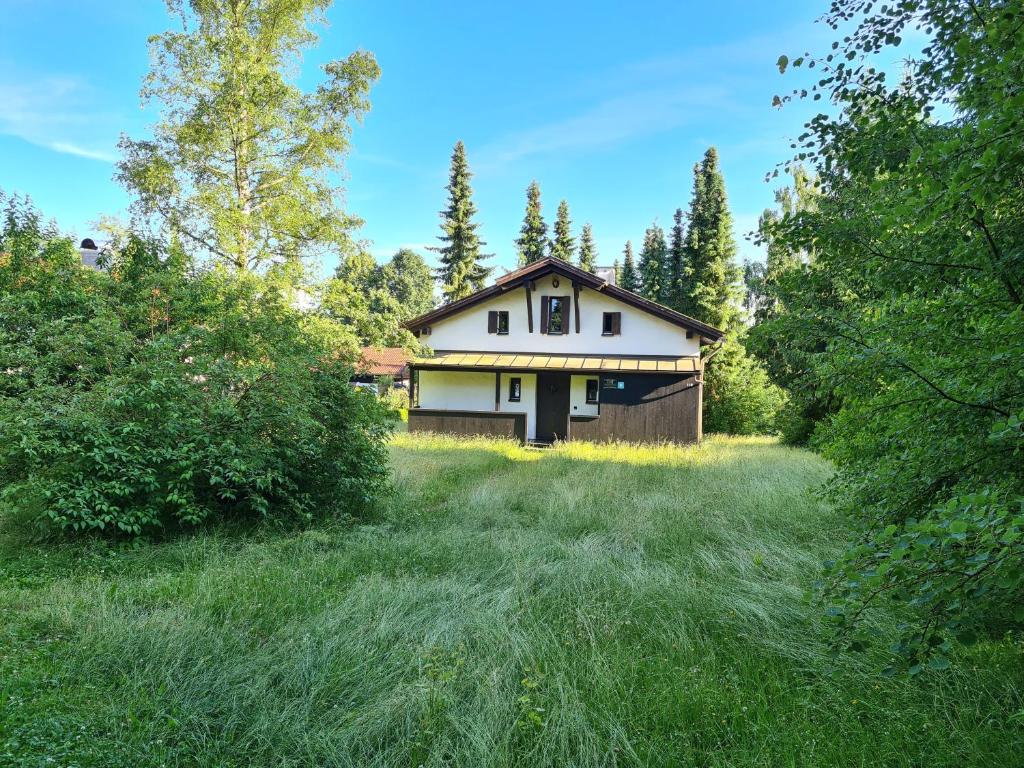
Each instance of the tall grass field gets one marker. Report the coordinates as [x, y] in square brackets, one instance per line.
[579, 606]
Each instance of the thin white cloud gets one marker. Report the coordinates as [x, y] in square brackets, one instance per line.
[611, 121]
[384, 253]
[651, 96]
[92, 154]
[60, 114]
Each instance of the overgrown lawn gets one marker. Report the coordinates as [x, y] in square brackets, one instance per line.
[585, 605]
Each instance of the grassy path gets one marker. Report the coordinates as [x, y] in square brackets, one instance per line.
[580, 606]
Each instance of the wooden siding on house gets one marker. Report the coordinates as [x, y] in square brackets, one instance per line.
[649, 408]
[488, 423]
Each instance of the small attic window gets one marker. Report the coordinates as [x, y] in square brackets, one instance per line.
[497, 322]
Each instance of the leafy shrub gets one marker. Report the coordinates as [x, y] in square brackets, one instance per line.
[150, 398]
[908, 323]
[395, 399]
[738, 397]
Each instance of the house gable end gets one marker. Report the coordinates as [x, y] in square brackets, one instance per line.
[527, 279]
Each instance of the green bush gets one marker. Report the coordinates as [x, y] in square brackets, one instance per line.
[739, 399]
[395, 399]
[150, 398]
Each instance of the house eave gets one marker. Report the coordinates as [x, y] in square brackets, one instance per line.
[549, 265]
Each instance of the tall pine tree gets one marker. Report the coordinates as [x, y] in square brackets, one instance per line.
[712, 277]
[588, 251]
[630, 278]
[617, 271]
[533, 236]
[461, 272]
[687, 303]
[673, 291]
[562, 245]
[652, 263]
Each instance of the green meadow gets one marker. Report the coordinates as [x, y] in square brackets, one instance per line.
[579, 606]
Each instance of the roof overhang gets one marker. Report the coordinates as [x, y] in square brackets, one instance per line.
[551, 265]
[569, 363]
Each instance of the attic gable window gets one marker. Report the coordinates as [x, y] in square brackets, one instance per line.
[497, 322]
[611, 324]
[554, 315]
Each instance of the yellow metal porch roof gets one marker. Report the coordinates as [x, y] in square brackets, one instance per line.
[492, 360]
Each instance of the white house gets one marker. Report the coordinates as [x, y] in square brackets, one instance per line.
[551, 352]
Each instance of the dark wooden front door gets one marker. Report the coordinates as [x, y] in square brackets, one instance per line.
[552, 406]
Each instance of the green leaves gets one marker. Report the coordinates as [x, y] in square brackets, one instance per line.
[153, 398]
[243, 162]
[902, 336]
[533, 235]
[461, 271]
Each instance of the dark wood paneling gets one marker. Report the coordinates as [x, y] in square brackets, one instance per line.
[468, 423]
[649, 408]
[576, 304]
[552, 406]
[529, 307]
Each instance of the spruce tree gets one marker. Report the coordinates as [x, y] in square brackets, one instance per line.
[712, 275]
[588, 252]
[533, 236]
[672, 292]
[652, 263]
[461, 272]
[630, 279]
[687, 304]
[617, 271]
[563, 245]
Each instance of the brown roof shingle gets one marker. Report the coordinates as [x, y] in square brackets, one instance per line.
[383, 361]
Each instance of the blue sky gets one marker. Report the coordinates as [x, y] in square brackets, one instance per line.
[606, 104]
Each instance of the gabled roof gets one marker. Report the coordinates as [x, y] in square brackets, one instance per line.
[550, 265]
[382, 361]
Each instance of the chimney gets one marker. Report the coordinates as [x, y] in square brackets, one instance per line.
[90, 253]
[606, 273]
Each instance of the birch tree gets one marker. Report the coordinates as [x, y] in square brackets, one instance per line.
[242, 163]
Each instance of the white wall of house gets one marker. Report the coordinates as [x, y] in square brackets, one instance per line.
[457, 390]
[642, 332]
[578, 405]
[527, 403]
[474, 391]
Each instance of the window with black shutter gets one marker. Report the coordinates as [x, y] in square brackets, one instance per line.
[557, 310]
[611, 324]
[497, 322]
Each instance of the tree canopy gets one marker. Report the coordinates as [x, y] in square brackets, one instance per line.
[674, 289]
[630, 277]
[373, 300]
[533, 236]
[653, 256]
[241, 162]
[907, 316]
[711, 288]
[563, 245]
[588, 250]
[461, 272]
[154, 396]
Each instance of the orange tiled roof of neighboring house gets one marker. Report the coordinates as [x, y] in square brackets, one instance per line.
[383, 361]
